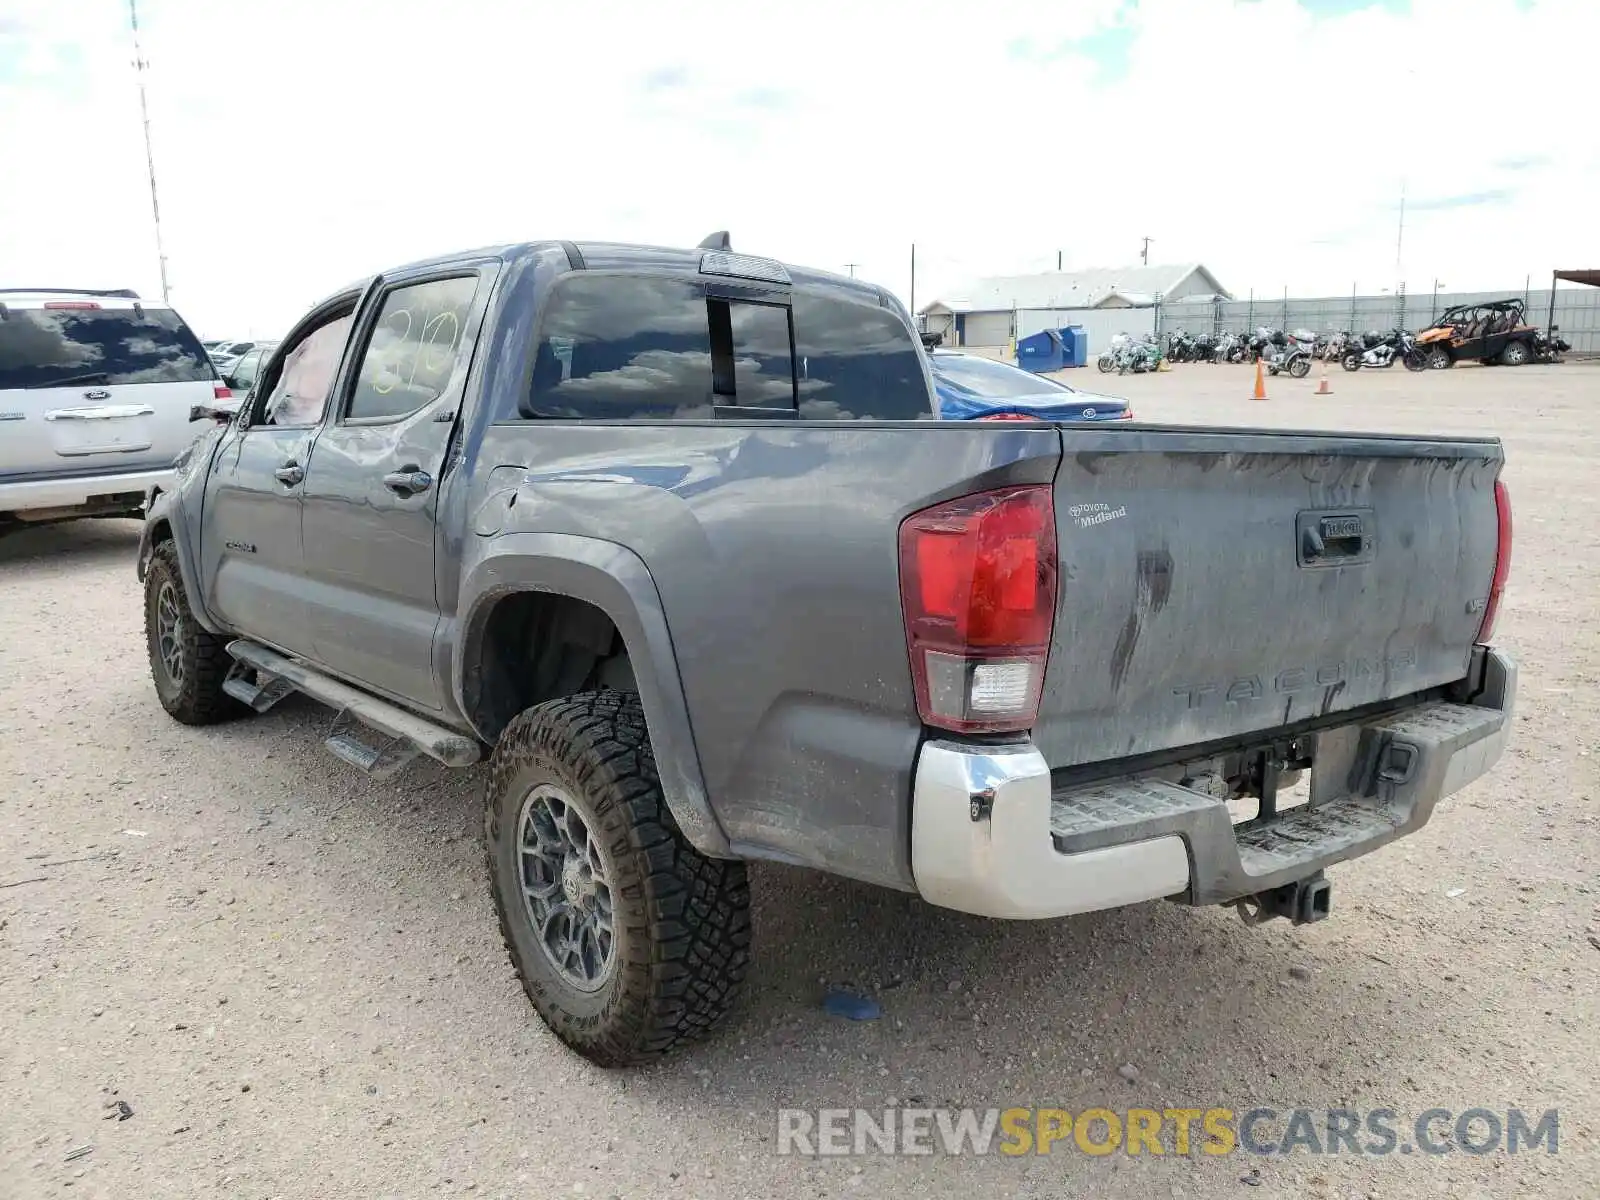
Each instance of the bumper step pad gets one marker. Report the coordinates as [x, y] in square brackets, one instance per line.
[1399, 767]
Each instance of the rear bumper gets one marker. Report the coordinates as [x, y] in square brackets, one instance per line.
[989, 836]
[77, 491]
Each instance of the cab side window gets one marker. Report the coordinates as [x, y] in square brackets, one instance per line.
[305, 377]
[414, 350]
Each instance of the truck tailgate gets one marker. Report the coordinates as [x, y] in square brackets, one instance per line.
[1215, 582]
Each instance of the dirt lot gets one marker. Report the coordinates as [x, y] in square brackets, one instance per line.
[292, 976]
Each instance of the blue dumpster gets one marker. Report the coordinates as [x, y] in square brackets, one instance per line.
[1074, 345]
[1041, 351]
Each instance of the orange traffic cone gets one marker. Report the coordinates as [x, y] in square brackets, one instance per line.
[1322, 384]
[1261, 383]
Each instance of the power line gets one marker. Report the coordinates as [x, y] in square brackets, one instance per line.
[149, 155]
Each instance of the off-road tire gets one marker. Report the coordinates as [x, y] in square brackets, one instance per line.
[197, 698]
[1439, 359]
[681, 920]
[1515, 354]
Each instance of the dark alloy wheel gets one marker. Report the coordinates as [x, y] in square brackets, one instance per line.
[187, 662]
[628, 940]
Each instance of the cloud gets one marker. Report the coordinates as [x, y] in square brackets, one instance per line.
[666, 79]
[1465, 200]
[311, 142]
[770, 99]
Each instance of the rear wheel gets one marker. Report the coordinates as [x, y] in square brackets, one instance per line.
[187, 662]
[1514, 355]
[628, 941]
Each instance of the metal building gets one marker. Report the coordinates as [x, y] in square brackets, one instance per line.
[1105, 301]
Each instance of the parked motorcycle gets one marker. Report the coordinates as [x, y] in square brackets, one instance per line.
[1181, 347]
[1294, 356]
[1338, 345]
[1130, 354]
[1264, 343]
[1396, 344]
[1230, 347]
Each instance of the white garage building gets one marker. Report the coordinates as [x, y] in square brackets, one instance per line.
[1105, 301]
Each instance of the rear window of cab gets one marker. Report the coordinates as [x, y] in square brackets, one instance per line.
[630, 348]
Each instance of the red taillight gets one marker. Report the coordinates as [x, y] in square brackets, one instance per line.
[978, 587]
[221, 392]
[1502, 560]
[1126, 414]
[69, 304]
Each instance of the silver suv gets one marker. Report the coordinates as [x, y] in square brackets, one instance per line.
[95, 393]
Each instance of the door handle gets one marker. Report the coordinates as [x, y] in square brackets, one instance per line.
[289, 474]
[409, 482]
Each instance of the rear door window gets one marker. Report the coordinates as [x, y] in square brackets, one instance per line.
[412, 354]
[42, 348]
[856, 361]
[622, 348]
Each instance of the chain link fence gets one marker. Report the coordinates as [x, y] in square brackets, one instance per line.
[1577, 313]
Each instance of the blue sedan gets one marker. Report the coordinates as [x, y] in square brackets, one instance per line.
[973, 388]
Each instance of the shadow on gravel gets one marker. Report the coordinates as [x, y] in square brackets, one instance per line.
[975, 1012]
[79, 543]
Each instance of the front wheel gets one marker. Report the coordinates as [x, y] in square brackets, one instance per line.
[1515, 354]
[1439, 359]
[628, 941]
[187, 662]
[1104, 363]
[1300, 368]
[1351, 362]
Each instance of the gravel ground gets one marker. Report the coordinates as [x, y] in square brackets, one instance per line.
[291, 974]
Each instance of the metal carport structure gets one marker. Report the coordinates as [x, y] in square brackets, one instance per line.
[1592, 278]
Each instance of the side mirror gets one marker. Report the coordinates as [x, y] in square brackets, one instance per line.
[220, 413]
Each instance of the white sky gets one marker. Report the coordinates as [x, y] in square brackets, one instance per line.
[300, 144]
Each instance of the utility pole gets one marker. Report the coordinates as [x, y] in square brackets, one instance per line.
[1144, 254]
[851, 267]
[149, 155]
[1058, 260]
[913, 279]
[1400, 233]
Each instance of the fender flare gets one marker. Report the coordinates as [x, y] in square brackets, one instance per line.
[616, 581]
[167, 508]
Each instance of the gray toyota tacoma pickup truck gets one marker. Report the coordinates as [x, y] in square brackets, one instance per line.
[674, 540]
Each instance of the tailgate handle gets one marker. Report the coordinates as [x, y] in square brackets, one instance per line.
[1330, 539]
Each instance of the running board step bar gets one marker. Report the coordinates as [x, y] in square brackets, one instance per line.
[409, 734]
[345, 741]
[259, 696]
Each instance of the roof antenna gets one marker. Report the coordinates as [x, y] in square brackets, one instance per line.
[717, 241]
